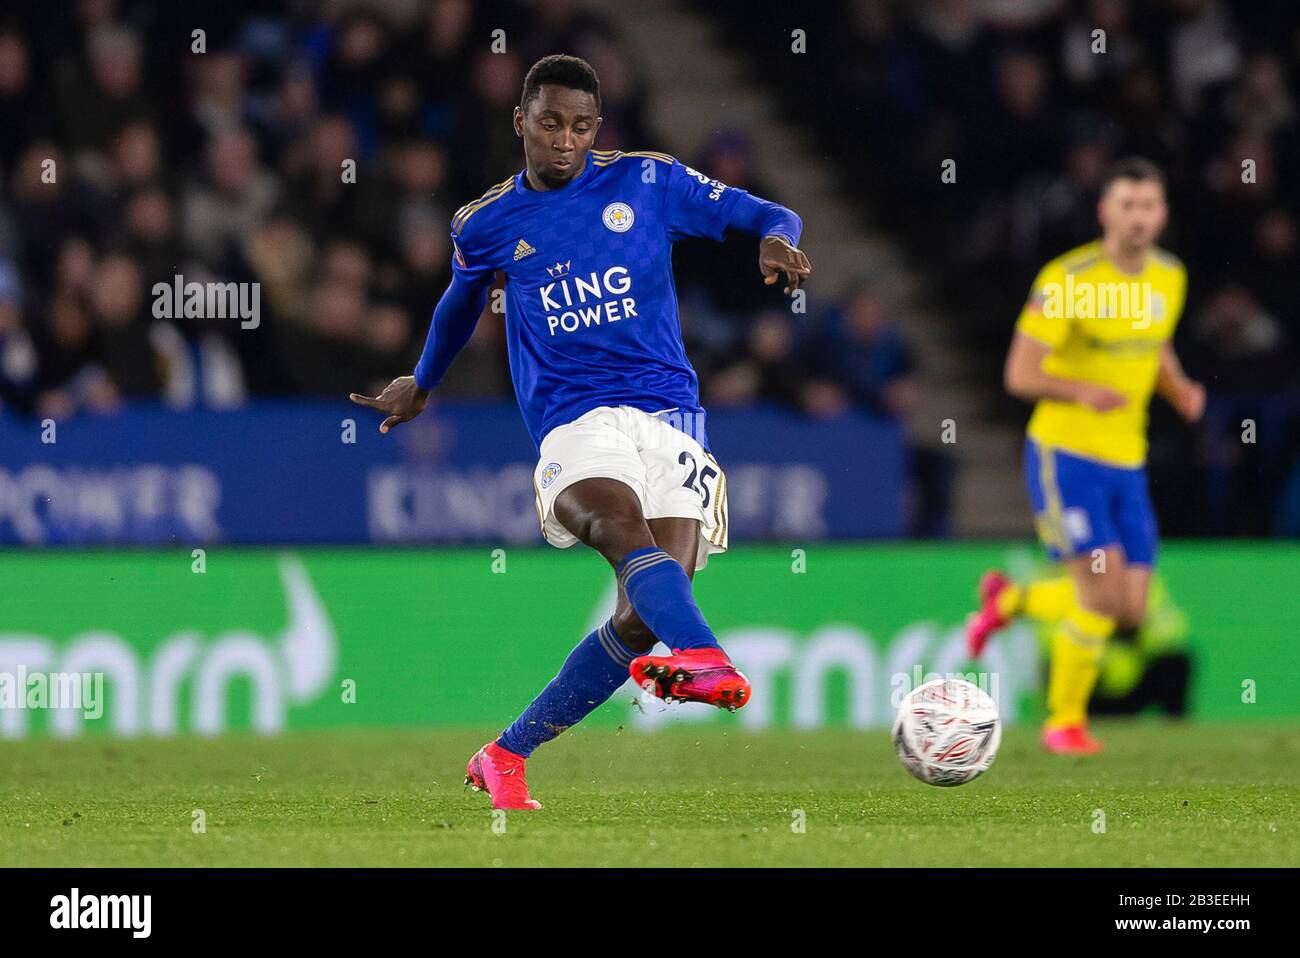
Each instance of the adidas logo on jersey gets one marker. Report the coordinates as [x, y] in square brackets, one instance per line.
[523, 249]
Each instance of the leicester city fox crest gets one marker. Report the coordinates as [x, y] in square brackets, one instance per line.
[550, 473]
[618, 217]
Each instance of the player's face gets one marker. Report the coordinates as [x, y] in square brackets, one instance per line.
[1133, 212]
[557, 131]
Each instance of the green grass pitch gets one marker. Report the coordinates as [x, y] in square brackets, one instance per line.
[1171, 794]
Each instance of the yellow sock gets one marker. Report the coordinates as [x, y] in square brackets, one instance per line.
[1077, 644]
[1010, 600]
[1045, 600]
[1048, 600]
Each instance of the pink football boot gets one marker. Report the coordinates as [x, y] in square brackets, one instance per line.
[692, 675]
[501, 775]
[982, 624]
[1070, 740]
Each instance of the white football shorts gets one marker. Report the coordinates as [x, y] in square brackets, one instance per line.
[670, 472]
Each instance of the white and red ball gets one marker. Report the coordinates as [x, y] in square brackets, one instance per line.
[947, 731]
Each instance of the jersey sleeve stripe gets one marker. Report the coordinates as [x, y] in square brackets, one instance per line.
[466, 212]
[602, 158]
[652, 153]
[469, 209]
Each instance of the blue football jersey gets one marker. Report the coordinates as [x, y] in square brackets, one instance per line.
[591, 308]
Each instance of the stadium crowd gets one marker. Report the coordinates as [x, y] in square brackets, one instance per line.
[128, 157]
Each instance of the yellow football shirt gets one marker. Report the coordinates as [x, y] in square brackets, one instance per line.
[1107, 327]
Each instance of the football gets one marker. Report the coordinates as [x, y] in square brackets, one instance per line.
[947, 731]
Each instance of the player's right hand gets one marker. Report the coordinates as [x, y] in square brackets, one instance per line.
[1101, 398]
[402, 400]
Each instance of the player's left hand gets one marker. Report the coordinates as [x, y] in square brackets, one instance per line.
[1190, 401]
[777, 256]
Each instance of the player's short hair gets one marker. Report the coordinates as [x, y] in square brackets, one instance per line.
[1135, 168]
[572, 72]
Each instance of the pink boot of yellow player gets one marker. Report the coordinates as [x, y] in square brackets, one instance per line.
[1070, 740]
[991, 616]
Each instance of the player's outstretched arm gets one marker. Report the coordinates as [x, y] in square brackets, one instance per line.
[1185, 394]
[698, 206]
[453, 323]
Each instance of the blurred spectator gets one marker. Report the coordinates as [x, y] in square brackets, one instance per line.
[1079, 63]
[1239, 350]
[106, 91]
[17, 354]
[121, 327]
[218, 101]
[495, 81]
[21, 111]
[770, 369]
[48, 203]
[864, 354]
[229, 201]
[150, 232]
[1203, 50]
[68, 377]
[424, 251]
[136, 156]
[330, 348]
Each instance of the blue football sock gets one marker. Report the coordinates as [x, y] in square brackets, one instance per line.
[660, 591]
[591, 674]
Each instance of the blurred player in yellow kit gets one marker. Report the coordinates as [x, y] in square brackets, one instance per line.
[1092, 344]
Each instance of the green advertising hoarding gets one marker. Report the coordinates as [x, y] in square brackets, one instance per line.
[829, 634]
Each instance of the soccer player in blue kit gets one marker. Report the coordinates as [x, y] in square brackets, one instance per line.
[585, 240]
